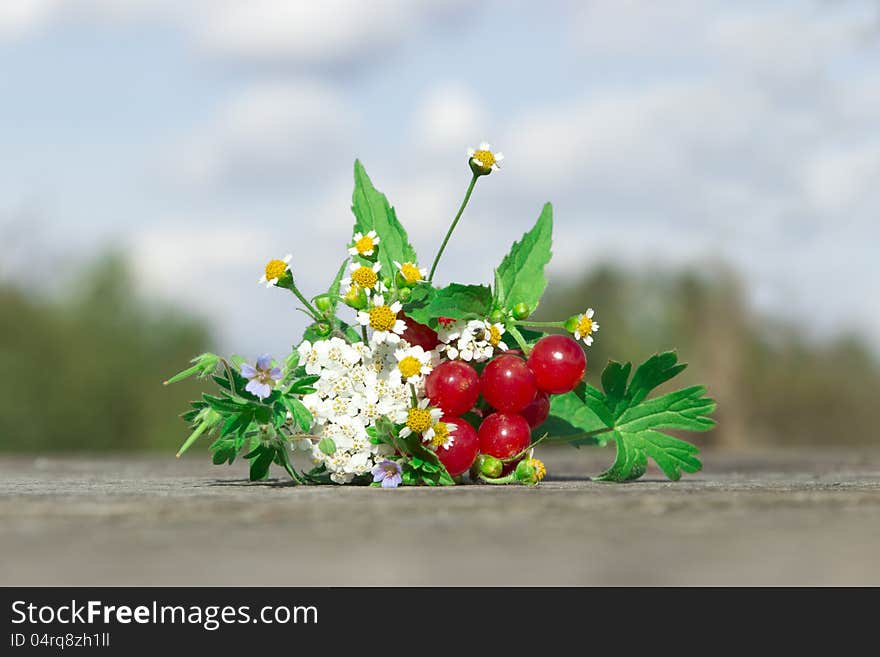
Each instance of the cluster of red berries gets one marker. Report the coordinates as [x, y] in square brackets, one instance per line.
[515, 394]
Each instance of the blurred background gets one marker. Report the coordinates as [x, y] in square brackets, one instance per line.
[713, 165]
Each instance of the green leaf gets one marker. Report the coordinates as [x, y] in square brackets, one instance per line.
[373, 212]
[327, 445]
[520, 276]
[570, 418]
[634, 422]
[224, 450]
[261, 458]
[455, 301]
[301, 415]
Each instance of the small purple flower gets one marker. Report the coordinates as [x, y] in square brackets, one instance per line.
[262, 378]
[388, 472]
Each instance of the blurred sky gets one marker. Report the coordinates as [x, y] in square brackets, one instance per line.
[204, 137]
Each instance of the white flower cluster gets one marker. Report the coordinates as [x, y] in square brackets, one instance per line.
[358, 384]
[475, 340]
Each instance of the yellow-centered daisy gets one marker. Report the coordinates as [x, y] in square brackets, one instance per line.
[364, 245]
[275, 269]
[411, 273]
[484, 160]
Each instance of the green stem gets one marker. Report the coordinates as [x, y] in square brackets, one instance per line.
[520, 340]
[299, 295]
[364, 333]
[509, 479]
[526, 322]
[467, 197]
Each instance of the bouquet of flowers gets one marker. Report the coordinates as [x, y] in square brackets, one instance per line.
[399, 382]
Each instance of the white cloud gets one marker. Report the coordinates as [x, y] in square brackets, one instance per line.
[289, 132]
[21, 17]
[449, 114]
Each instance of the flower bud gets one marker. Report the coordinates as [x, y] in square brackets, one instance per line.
[355, 298]
[324, 303]
[323, 329]
[404, 294]
[521, 310]
[525, 472]
[497, 316]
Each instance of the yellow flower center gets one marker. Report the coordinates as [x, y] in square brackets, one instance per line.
[365, 245]
[364, 277]
[275, 269]
[494, 335]
[410, 272]
[485, 158]
[409, 366]
[585, 325]
[382, 318]
[418, 420]
[441, 435]
[540, 468]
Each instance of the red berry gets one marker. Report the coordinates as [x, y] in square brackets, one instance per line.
[504, 435]
[453, 386]
[558, 362]
[508, 384]
[538, 411]
[419, 334]
[460, 456]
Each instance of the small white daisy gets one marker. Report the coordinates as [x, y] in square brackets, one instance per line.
[383, 320]
[364, 277]
[411, 273]
[364, 245]
[586, 326]
[483, 159]
[275, 269]
[443, 438]
[421, 419]
[412, 364]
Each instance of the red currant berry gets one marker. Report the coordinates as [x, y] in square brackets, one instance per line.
[558, 362]
[504, 435]
[508, 384]
[537, 412]
[460, 456]
[453, 386]
[419, 334]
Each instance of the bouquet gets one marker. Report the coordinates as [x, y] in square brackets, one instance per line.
[399, 382]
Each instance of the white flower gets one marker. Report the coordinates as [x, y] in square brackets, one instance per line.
[421, 419]
[586, 327]
[443, 438]
[275, 269]
[412, 364]
[364, 245]
[411, 272]
[475, 340]
[484, 159]
[383, 320]
[365, 277]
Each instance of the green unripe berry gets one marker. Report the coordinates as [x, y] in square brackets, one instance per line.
[490, 466]
[521, 310]
[525, 472]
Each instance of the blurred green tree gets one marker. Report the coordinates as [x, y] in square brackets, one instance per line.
[774, 384]
[85, 371]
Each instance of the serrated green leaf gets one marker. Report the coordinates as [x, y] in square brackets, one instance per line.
[373, 212]
[570, 417]
[520, 276]
[261, 458]
[302, 416]
[455, 301]
[673, 456]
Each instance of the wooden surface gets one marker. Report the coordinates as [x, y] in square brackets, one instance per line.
[788, 517]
